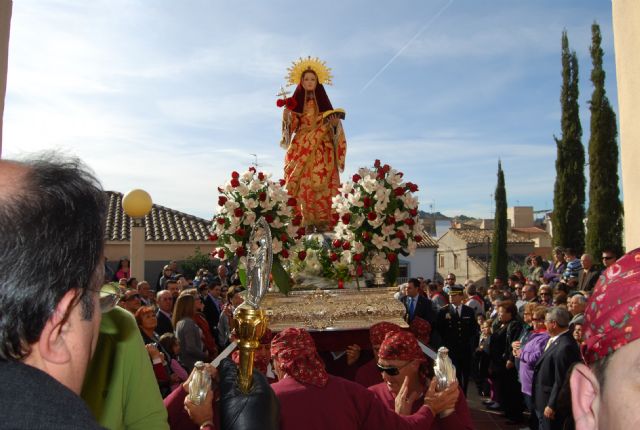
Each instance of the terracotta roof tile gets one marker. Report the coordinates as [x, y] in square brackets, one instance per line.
[427, 241]
[161, 223]
[477, 235]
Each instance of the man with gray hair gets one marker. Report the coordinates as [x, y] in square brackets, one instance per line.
[552, 369]
[52, 218]
[576, 305]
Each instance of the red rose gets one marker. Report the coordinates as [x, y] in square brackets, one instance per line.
[268, 218]
[390, 220]
[261, 176]
[413, 212]
[376, 163]
[240, 251]
[409, 222]
[280, 102]
[366, 236]
[235, 175]
[372, 216]
[238, 212]
[284, 237]
[400, 234]
[296, 220]
[356, 177]
[221, 253]
[346, 246]
[292, 202]
[391, 257]
[291, 103]
[301, 231]
[240, 232]
[222, 200]
[366, 201]
[220, 221]
[398, 191]
[213, 237]
[412, 187]
[357, 257]
[417, 238]
[302, 255]
[386, 168]
[346, 218]
[235, 183]
[262, 196]
[337, 243]
[284, 253]
[252, 169]
[333, 256]
[359, 270]
[282, 182]
[380, 174]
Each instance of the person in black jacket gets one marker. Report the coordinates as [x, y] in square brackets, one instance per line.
[165, 309]
[416, 304]
[552, 369]
[459, 331]
[502, 366]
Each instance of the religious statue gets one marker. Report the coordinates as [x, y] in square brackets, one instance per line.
[313, 137]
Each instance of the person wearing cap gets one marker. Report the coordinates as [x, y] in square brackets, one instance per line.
[400, 358]
[368, 374]
[604, 387]
[312, 399]
[552, 369]
[459, 331]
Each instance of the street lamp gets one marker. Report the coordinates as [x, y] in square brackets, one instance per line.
[137, 203]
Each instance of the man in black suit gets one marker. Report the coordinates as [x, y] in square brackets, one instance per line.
[165, 309]
[588, 275]
[213, 305]
[459, 331]
[552, 369]
[416, 304]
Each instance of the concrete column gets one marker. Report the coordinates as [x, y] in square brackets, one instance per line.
[136, 250]
[626, 35]
[6, 6]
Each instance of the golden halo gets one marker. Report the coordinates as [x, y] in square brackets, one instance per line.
[304, 64]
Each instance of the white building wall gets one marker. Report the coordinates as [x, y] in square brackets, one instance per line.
[421, 263]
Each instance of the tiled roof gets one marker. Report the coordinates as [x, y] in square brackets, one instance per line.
[481, 263]
[477, 235]
[528, 230]
[161, 224]
[427, 241]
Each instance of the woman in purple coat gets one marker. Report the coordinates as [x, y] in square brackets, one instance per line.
[529, 355]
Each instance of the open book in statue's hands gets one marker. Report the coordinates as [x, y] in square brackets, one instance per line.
[338, 113]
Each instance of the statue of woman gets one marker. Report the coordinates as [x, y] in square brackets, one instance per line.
[315, 143]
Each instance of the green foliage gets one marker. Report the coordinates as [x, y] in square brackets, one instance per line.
[193, 263]
[499, 256]
[604, 223]
[569, 188]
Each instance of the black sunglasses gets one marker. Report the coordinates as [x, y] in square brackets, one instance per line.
[391, 370]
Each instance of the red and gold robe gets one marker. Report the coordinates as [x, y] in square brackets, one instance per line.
[312, 164]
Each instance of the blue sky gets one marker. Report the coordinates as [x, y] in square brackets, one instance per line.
[172, 96]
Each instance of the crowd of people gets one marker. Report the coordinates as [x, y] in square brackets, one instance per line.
[517, 338]
[70, 358]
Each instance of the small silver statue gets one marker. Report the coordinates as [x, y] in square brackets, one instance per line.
[259, 260]
[200, 383]
[444, 369]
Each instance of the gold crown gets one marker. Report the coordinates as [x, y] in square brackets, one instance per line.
[304, 64]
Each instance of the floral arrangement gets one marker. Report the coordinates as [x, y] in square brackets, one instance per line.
[243, 200]
[377, 212]
[332, 261]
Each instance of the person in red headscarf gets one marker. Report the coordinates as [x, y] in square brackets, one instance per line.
[401, 361]
[262, 356]
[368, 374]
[604, 389]
[312, 399]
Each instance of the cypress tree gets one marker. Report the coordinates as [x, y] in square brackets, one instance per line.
[499, 257]
[569, 188]
[604, 222]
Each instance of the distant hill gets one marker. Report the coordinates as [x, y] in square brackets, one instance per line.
[440, 216]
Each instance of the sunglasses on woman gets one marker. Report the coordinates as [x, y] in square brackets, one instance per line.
[391, 370]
